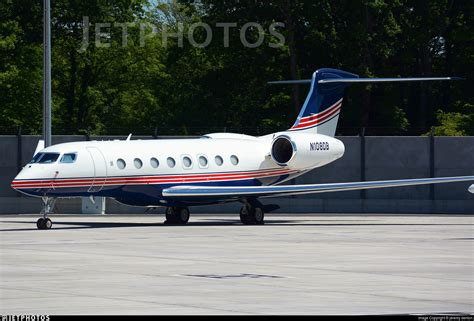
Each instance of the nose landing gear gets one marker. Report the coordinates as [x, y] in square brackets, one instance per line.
[44, 223]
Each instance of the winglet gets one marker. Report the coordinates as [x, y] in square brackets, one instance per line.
[128, 138]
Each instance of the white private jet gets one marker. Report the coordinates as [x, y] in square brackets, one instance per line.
[215, 168]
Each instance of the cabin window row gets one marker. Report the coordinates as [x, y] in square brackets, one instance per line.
[187, 162]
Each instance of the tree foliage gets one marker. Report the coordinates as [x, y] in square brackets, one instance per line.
[184, 89]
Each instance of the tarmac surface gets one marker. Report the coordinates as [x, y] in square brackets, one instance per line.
[294, 264]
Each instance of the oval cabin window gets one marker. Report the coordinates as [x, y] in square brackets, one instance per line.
[234, 160]
[171, 162]
[138, 163]
[154, 162]
[203, 161]
[219, 161]
[121, 163]
[187, 162]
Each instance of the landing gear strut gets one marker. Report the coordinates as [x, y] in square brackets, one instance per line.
[177, 215]
[252, 215]
[45, 223]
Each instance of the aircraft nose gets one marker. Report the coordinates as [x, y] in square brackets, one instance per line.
[19, 180]
[15, 183]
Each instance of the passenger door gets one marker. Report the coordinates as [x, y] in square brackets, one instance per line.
[100, 169]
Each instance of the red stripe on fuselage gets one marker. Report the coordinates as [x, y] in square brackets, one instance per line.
[130, 178]
[146, 180]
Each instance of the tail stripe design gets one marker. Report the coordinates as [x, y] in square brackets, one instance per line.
[320, 111]
[316, 119]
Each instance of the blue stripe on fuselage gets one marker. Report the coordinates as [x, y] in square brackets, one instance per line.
[145, 194]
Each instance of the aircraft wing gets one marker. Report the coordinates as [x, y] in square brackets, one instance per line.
[235, 192]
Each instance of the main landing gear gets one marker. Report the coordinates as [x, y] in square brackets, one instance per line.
[252, 215]
[177, 215]
[249, 215]
[44, 223]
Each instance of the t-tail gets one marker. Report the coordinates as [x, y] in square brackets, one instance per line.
[321, 109]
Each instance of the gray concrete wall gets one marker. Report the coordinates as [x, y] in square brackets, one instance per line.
[368, 158]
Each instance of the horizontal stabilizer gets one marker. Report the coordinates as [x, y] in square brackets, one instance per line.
[364, 80]
[361, 80]
[290, 82]
[236, 192]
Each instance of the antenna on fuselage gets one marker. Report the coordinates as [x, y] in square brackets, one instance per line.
[128, 138]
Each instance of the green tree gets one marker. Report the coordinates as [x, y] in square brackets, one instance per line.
[20, 68]
[115, 89]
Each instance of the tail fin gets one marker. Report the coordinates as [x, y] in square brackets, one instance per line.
[320, 112]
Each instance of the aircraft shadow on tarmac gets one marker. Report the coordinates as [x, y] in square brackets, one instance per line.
[68, 225]
[73, 225]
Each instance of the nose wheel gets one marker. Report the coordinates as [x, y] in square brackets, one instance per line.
[252, 215]
[45, 223]
[177, 215]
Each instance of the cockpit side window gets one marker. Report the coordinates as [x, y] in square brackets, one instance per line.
[36, 158]
[48, 158]
[68, 158]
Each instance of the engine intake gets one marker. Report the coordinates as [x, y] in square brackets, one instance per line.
[282, 150]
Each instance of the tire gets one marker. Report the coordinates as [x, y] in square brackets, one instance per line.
[246, 215]
[182, 215]
[258, 216]
[47, 224]
[250, 215]
[40, 224]
[177, 215]
[170, 217]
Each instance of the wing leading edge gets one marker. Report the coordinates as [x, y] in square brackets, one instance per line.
[184, 192]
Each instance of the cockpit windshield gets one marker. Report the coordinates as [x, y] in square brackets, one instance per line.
[36, 158]
[45, 158]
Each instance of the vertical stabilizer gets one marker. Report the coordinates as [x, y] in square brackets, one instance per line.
[320, 112]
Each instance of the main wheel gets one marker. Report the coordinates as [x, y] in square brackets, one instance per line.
[245, 215]
[40, 224]
[259, 216]
[182, 215]
[177, 215]
[170, 216]
[250, 215]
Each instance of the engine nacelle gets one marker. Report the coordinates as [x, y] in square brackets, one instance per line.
[304, 150]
